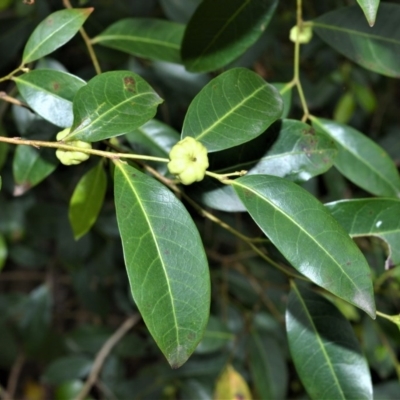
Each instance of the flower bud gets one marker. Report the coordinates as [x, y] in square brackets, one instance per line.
[189, 161]
[68, 157]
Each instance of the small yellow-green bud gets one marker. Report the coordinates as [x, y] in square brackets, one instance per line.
[189, 161]
[68, 157]
[303, 36]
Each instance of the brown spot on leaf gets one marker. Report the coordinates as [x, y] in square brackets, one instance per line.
[310, 131]
[239, 396]
[129, 84]
[56, 86]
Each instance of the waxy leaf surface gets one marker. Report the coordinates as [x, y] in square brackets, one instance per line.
[165, 261]
[57, 29]
[370, 8]
[325, 350]
[361, 160]
[371, 217]
[144, 37]
[112, 104]
[50, 93]
[233, 108]
[318, 247]
[87, 199]
[376, 48]
[221, 31]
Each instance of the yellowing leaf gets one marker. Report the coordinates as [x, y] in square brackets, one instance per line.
[231, 386]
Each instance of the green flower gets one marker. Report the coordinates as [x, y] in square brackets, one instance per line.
[303, 36]
[68, 157]
[189, 161]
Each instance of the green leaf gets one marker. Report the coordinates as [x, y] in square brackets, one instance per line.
[179, 10]
[374, 48]
[50, 93]
[213, 42]
[30, 167]
[370, 8]
[324, 348]
[87, 199]
[215, 337]
[233, 108]
[67, 368]
[3, 250]
[144, 37]
[318, 247]
[361, 160]
[286, 97]
[268, 367]
[57, 29]
[165, 261]
[371, 217]
[112, 104]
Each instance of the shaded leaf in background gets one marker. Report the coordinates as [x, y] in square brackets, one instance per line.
[50, 93]
[111, 104]
[65, 369]
[374, 48]
[371, 217]
[361, 160]
[165, 260]
[57, 29]
[324, 348]
[232, 29]
[370, 8]
[290, 149]
[3, 249]
[87, 199]
[233, 108]
[144, 37]
[179, 10]
[318, 247]
[268, 367]
[30, 168]
[231, 385]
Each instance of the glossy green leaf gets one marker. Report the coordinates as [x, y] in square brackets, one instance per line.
[286, 97]
[165, 260]
[144, 37]
[371, 217]
[30, 167]
[87, 199]
[268, 367]
[290, 149]
[324, 348]
[374, 48]
[370, 8]
[57, 29]
[3, 251]
[233, 108]
[213, 42]
[318, 247]
[112, 104]
[50, 93]
[155, 137]
[361, 160]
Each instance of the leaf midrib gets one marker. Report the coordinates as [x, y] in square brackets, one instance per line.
[136, 39]
[121, 168]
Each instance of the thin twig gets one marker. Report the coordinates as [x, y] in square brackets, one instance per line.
[103, 354]
[88, 43]
[4, 96]
[14, 376]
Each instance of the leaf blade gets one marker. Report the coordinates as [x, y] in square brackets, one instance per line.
[371, 217]
[86, 200]
[158, 251]
[370, 9]
[50, 93]
[144, 37]
[281, 209]
[235, 26]
[45, 38]
[227, 121]
[111, 104]
[315, 326]
[361, 160]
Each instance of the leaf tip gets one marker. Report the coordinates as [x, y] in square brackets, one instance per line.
[178, 356]
[366, 302]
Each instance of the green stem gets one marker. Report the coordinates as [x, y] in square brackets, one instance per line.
[11, 74]
[65, 146]
[393, 318]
